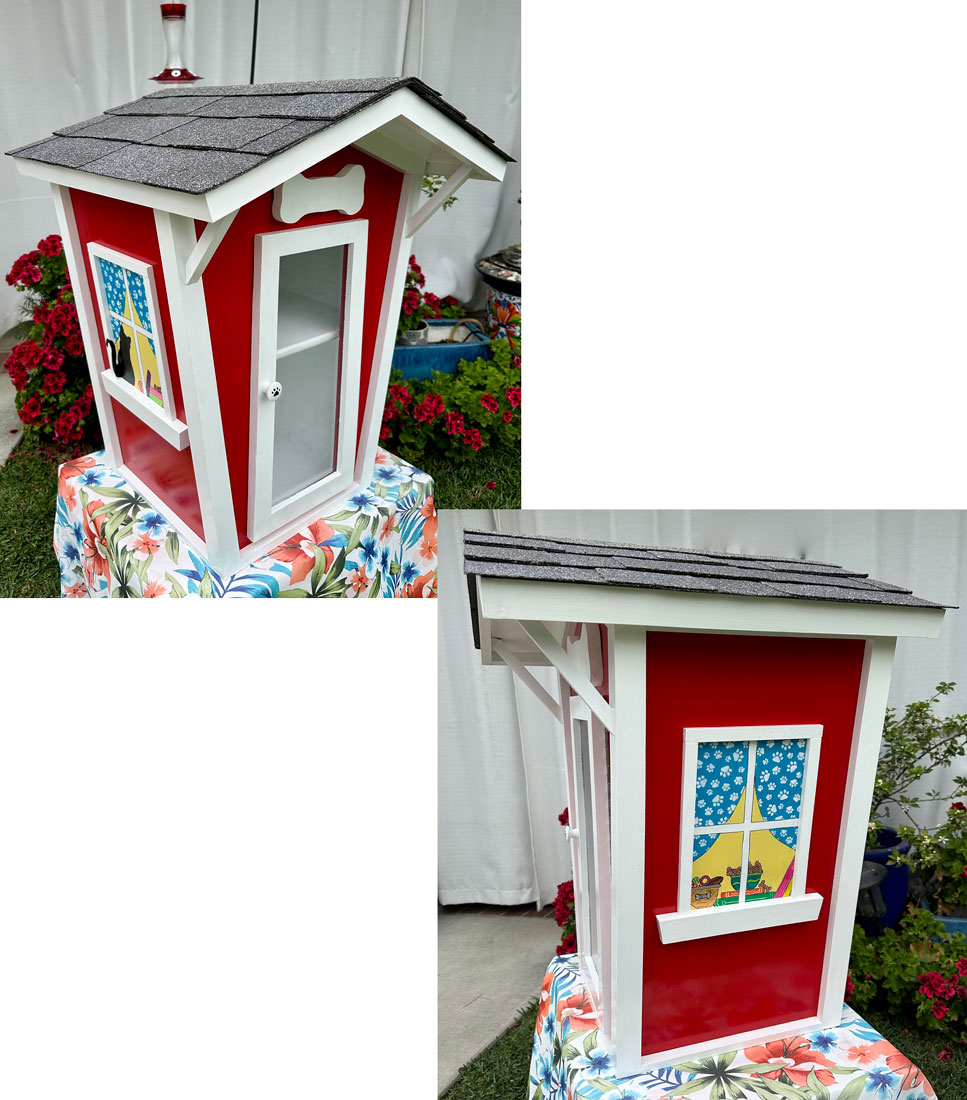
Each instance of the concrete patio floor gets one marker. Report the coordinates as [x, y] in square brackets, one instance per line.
[11, 430]
[491, 963]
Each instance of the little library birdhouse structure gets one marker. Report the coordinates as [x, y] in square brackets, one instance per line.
[238, 256]
[722, 720]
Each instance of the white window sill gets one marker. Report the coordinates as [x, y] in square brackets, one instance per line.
[699, 924]
[171, 431]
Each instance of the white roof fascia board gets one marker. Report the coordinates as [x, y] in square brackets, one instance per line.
[550, 601]
[402, 104]
[141, 194]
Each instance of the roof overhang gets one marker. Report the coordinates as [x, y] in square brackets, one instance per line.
[402, 129]
[499, 605]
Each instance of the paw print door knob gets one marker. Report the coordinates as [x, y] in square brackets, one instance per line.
[272, 390]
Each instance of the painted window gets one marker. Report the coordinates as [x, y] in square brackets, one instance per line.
[135, 370]
[748, 806]
[307, 358]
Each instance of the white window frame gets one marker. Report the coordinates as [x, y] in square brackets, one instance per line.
[263, 516]
[588, 899]
[161, 420]
[688, 923]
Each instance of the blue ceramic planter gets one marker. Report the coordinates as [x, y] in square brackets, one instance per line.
[421, 360]
[897, 881]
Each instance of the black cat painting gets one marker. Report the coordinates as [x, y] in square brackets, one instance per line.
[121, 357]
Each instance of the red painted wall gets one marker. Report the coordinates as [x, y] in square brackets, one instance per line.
[704, 989]
[229, 286]
[130, 229]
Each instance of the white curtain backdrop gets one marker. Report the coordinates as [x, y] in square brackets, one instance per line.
[501, 759]
[62, 62]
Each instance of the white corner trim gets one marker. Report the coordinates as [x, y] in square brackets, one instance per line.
[861, 775]
[435, 202]
[302, 195]
[568, 667]
[527, 678]
[699, 924]
[171, 430]
[199, 390]
[93, 349]
[208, 242]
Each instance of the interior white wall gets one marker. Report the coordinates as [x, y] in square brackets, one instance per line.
[62, 62]
[481, 750]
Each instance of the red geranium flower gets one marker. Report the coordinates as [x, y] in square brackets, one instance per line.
[489, 402]
[51, 246]
[491, 485]
[55, 382]
[508, 416]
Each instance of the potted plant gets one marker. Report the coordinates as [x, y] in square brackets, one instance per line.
[433, 333]
[915, 744]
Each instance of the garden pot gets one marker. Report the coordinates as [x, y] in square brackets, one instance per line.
[501, 273]
[435, 354]
[896, 884]
[416, 335]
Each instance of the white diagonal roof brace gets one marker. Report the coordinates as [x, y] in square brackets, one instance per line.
[203, 251]
[436, 201]
[570, 670]
[529, 680]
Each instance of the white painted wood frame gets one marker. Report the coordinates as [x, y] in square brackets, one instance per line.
[583, 821]
[77, 266]
[569, 668]
[861, 775]
[705, 612]
[688, 923]
[199, 390]
[161, 420]
[264, 517]
[403, 117]
[382, 364]
[627, 650]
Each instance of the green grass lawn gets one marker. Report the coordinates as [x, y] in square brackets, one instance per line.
[28, 495]
[465, 486]
[501, 1072]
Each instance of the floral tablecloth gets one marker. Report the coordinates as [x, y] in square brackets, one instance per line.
[380, 541]
[847, 1062]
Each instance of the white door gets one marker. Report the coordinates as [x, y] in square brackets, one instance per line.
[306, 350]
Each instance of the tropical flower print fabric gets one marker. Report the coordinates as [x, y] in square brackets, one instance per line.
[847, 1062]
[380, 541]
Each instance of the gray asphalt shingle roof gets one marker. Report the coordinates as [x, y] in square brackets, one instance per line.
[193, 139]
[488, 554]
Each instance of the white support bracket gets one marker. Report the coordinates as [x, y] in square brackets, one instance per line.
[208, 242]
[568, 667]
[528, 679]
[436, 201]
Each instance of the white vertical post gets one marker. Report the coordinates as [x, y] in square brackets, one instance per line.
[864, 757]
[196, 370]
[86, 318]
[627, 690]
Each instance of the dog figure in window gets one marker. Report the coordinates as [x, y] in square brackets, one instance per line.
[121, 356]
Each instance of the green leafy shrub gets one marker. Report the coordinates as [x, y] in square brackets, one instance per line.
[454, 416]
[914, 745]
[917, 970]
[938, 859]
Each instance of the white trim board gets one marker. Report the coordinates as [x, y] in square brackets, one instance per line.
[706, 612]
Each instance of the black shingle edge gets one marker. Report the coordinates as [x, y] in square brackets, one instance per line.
[474, 612]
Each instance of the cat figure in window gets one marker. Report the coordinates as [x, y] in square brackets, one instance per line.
[121, 356]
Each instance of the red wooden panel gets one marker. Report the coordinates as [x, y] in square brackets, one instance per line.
[165, 471]
[130, 229]
[704, 989]
[229, 287]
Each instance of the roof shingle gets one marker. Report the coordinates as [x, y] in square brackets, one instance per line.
[231, 128]
[488, 554]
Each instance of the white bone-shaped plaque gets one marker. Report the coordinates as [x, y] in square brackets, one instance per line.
[299, 196]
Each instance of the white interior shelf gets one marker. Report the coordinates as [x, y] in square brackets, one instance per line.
[304, 323]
